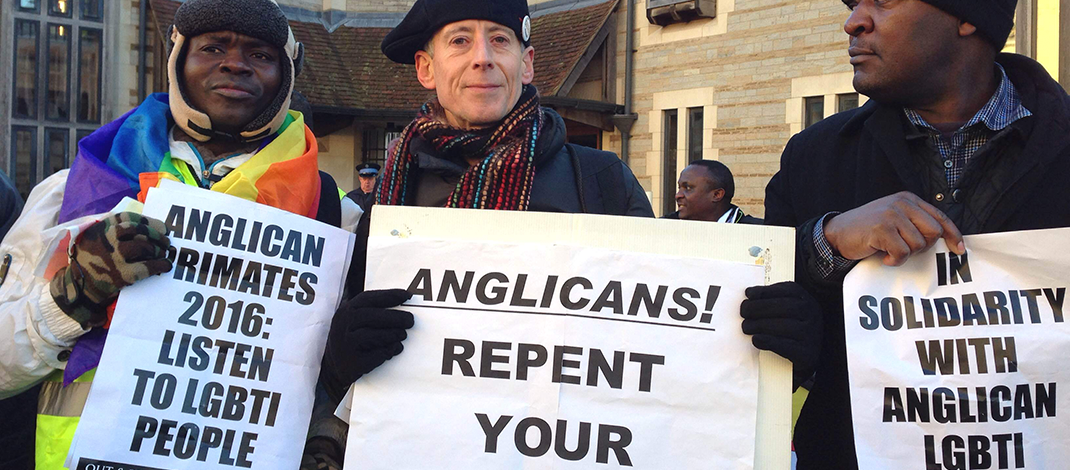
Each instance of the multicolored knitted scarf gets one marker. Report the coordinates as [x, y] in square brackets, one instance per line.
[501, 180]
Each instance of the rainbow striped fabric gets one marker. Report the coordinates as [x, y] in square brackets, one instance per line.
[128, 156]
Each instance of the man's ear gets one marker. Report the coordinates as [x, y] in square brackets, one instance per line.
[717, 195]
[529, 65]
[966, 29]
[425, 73]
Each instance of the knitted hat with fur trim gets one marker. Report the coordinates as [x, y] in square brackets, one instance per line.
[261, 19]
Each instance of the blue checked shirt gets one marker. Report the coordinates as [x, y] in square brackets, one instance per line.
[1000, 111]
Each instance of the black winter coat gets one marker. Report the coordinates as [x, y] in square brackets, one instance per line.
[1016, 182]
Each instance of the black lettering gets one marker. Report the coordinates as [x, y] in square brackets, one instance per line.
[146, 427]
[498, 292]
[175, 219]
[291, 249]
[313, 250]
[566, 293]
[869, 319]
[488, 359]
[682, 297]
[450, 355]
[198, 225]
[610, 297]
[272, 233]
[582, 445]
[520, 437]
[186, 264]
[646, 368]
[492, 431]
[607, 443]
[308, 293]
[524, 361]
[652, 306]
[560, 364]
[518, 299]
[220, 234]
[597, 362]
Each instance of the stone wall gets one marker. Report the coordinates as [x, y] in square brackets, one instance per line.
[740, 68]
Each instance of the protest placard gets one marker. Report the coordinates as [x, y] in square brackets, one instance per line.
[538, 345]
[214, 364]
[955, 361]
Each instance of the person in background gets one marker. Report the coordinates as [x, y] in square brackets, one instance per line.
[364, 196]
[705, 193]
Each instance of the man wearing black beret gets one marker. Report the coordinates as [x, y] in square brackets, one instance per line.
[485, 143]
[956, 139]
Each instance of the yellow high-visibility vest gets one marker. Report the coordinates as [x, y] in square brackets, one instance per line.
[58, 411]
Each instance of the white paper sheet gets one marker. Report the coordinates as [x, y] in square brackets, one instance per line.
[956, 363]
[207, 370]
[688, 389]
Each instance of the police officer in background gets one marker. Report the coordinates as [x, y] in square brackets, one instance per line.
[364, 196]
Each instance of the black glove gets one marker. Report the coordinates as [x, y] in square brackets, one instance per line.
[364, 334]
[785, 319]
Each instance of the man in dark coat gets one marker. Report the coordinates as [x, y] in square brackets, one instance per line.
[706, 188]
[955, 140]
[486, 143]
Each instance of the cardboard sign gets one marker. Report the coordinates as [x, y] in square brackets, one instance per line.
[214, 364]
[559, 355]
[956, 361]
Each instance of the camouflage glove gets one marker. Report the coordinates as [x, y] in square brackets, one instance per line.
[111, 254]
[322, 454]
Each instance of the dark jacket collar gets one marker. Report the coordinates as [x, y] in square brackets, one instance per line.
[1046, 133]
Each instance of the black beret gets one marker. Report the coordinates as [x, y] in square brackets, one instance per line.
[261, 19]
[426, 17]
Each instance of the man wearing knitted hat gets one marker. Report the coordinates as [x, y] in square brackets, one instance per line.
[956, 139]
[224, 126]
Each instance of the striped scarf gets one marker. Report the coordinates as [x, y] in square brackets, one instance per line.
[501, 180]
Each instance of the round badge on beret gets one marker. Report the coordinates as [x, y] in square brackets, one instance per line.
[526, 28]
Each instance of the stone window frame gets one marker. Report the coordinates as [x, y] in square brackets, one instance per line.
[829, 86]
[681, 101]
[10, 13]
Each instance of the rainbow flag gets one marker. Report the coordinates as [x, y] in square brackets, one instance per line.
[126, 157]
